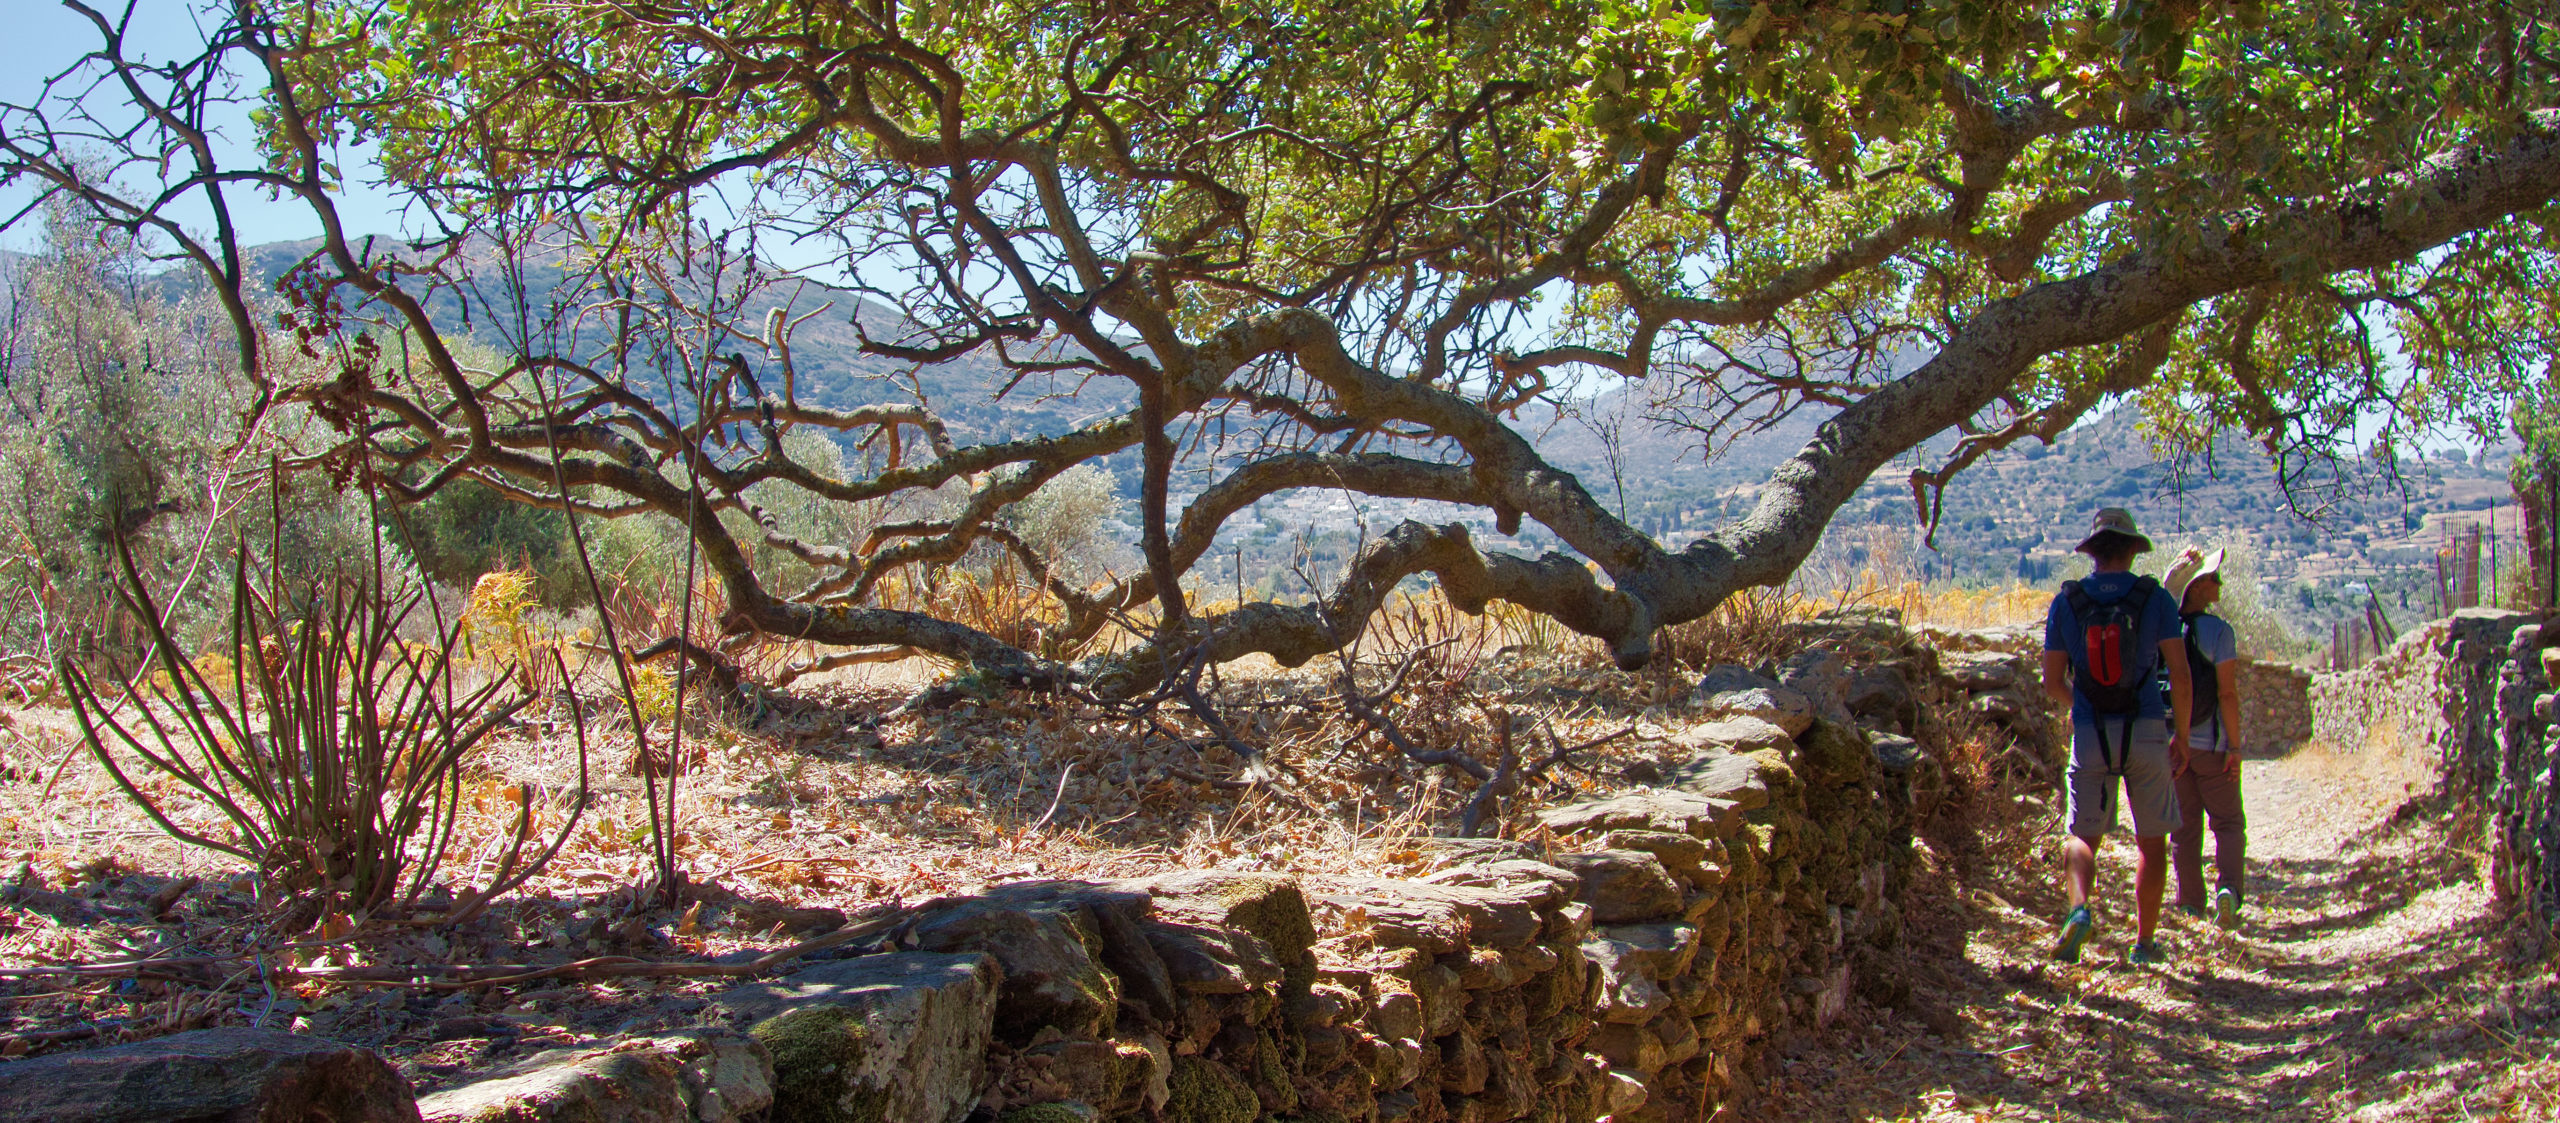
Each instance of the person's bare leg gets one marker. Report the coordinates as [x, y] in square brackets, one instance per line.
[2150, 881]
[2079, 868]
[2079, 879]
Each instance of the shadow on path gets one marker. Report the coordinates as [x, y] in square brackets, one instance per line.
[2369, 981]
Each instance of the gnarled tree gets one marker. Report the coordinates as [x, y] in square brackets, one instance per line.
[1345, 247]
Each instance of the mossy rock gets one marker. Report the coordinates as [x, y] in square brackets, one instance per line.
[815, 1050]
[1205, 1092]
[1270, 906]
[1271, 1074]
[1050, 952]
[1760, 836]
[1785, 786]
[895, 1036]
[1833, 754]
[1274, 908]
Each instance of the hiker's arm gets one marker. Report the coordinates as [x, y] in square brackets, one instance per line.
[2173, 653]
[2227, 677]
[2057, 676]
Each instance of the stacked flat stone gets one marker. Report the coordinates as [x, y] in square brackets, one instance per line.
[2275, 706]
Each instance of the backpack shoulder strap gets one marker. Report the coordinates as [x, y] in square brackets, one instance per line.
[2078, 597]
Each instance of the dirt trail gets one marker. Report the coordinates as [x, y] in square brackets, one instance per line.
[2370, 981]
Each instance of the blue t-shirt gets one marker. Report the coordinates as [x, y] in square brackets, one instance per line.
[2214, 637]
[2159, 622]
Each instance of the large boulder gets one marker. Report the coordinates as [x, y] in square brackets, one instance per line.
[1882, 698]
[1439, 919]
[1832, 754]
[696, 1076]
[1685, 855]
[1661, 951]
[1978, 671]
[212, 1075]
[1912, 776]
[1269, 908]
[1201, 959]
[1540, 883]
[1626, 993]
[897, 1036]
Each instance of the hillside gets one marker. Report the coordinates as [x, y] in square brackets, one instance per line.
[2015, 515]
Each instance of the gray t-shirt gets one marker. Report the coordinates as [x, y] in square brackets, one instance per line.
[2220, 645]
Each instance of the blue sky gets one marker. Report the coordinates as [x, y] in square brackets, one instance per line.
[42, 38]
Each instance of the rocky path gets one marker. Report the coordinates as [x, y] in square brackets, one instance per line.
[2369, 982]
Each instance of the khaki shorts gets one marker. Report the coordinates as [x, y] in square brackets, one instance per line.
[2149, 791]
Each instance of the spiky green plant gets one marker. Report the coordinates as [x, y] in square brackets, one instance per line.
[335, 751]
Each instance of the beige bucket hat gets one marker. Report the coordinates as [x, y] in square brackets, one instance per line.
[2190, 564]
[2113, 520]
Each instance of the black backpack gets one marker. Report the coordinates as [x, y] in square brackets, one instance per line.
[2204, 682]
[2115, 667]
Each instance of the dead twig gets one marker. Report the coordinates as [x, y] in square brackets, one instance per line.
[1063, 775]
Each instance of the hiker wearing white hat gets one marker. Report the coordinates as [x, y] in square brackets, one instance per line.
[2105, 638]
[2208, 784]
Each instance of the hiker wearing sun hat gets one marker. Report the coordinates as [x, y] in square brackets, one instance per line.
[2209, 782]
[2104, 639]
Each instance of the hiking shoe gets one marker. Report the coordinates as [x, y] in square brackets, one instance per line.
[2196, 911]
[2226, 908]
[2076, 930]
[2146, 955]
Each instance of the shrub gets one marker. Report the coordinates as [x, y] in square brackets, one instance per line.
[1068, 520]
[335, 752]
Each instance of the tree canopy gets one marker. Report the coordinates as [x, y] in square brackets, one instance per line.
[1300, 245]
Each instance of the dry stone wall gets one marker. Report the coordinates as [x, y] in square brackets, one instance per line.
[2275, 706]
[2461, 710]
[2517, 777]
[1630, 962]
[1627, 967]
